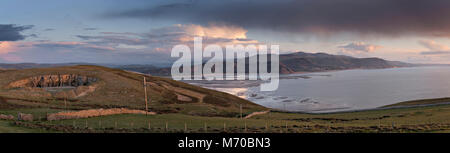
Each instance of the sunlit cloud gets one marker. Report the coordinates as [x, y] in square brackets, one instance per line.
[359, 47]
[433, 45]
[434, 48]
[7, 47]
[153, 46]
[164, 38]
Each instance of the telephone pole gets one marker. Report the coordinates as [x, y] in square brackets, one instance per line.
[240, 110]
[145, 94]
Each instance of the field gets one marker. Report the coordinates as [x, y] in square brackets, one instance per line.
[417, 119]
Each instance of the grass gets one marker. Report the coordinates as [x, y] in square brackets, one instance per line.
[7, 127]
[397, 116]
[420, 102]
[417, 119]
[36, 112]
[119, 89]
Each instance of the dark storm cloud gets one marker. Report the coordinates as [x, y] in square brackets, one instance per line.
[383, 17]
[72, 45]
[11, 32]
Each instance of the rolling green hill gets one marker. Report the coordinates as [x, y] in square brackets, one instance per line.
[93, 87]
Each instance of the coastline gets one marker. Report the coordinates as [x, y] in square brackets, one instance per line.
[304, 103]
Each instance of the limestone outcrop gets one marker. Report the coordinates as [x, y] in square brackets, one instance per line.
[54, 80]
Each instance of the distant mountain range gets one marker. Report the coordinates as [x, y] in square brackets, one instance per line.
[301, 62]
[33, 65]
[316, 62]
[289, 63]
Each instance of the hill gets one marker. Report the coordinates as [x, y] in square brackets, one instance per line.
[316, 62]
[34, 65]
[93, 87]
[420, 102]
[299, 62]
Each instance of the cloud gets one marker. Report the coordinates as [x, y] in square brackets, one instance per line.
[215, 31]
[434, 52]
[432, 45]
[90, 29]
[434, 48]
[49, 29]
[359, 47]
[380, 17]
[11, 32]
[71, 45]
[153, 46]
[164, 38]
[6, 47]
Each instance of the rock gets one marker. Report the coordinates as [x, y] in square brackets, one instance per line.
[54, 80]
[183, 98]
[6, 117]
[24, 117]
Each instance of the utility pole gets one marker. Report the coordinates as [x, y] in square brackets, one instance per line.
[240, 110]
[145, 94]
[65, 104]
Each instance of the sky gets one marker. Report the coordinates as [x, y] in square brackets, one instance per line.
[144, 32]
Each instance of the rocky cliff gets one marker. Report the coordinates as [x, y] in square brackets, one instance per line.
[56, 80]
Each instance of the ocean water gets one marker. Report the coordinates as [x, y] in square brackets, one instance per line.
[344, 90]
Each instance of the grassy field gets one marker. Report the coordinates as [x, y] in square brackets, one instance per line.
[417, 119]
[8, 127]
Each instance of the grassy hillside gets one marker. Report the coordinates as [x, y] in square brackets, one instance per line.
[418, 119]
[420, 102]
[113, 88]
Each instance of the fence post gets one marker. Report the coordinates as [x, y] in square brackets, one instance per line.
[167, 126]
[240, 110]
[224, 127]
[245, 127]
[286, 126]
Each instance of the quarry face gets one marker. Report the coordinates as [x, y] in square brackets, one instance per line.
[71, 85]
[46, 81]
